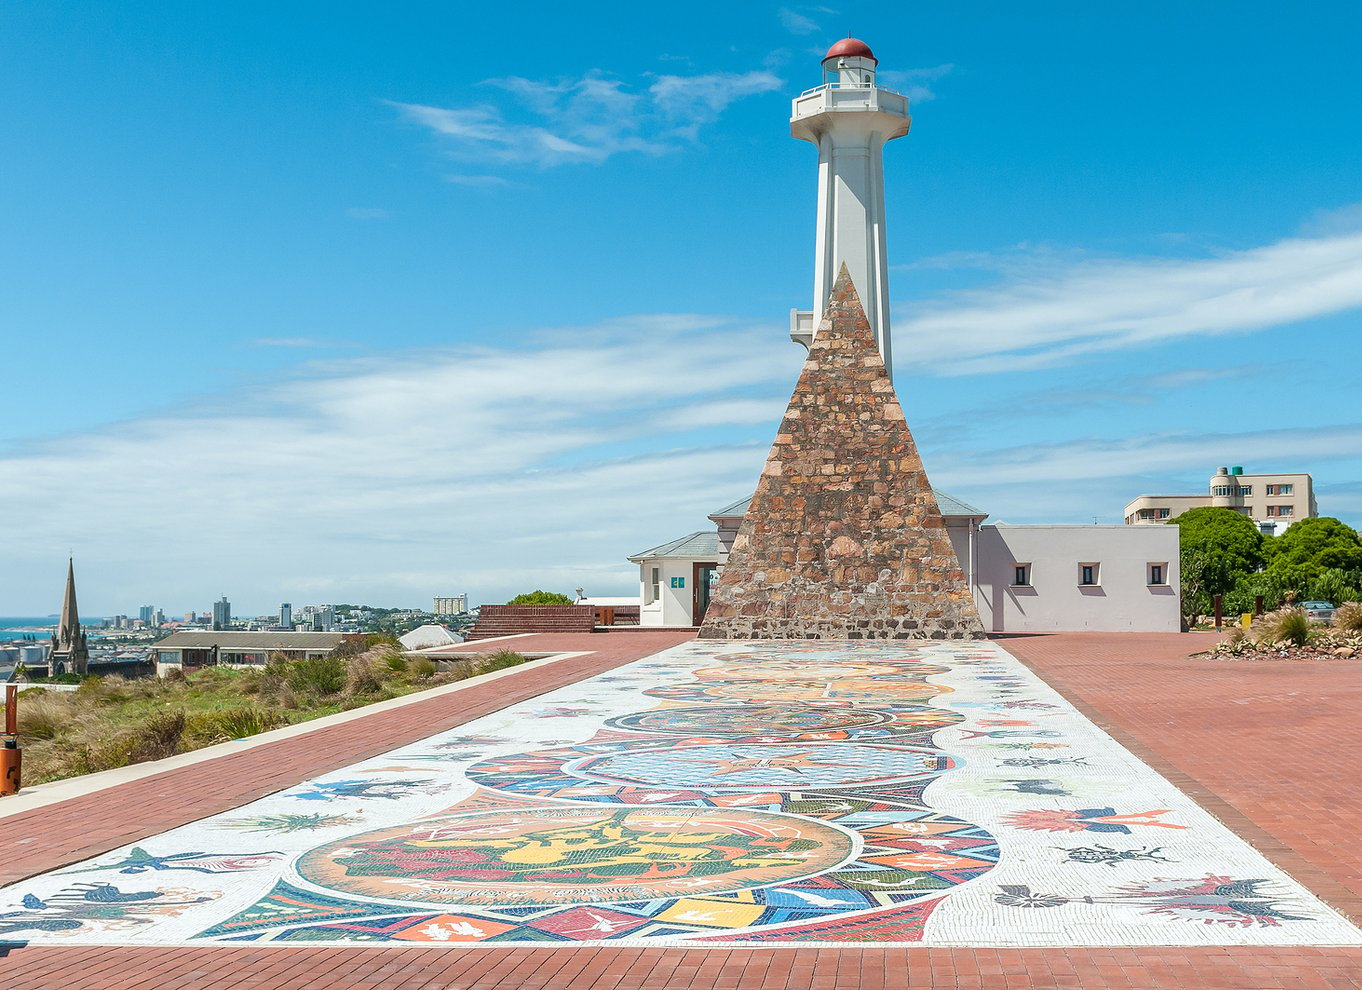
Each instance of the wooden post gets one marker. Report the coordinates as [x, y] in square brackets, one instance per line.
[1257, 605]
[1219, 610]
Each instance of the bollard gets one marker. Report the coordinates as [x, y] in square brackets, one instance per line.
[11, 766]
[1219, 611]
[1245, 621]
[1257, 605]
[11, 756]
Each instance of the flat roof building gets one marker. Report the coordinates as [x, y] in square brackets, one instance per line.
[1272, 501]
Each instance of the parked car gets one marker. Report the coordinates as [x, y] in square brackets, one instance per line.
[1318, 610]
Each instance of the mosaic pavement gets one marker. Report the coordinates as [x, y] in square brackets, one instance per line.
[714, 794]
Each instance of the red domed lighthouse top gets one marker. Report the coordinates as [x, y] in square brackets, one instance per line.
[851, 48]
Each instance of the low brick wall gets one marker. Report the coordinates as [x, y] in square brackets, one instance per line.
[508, 620]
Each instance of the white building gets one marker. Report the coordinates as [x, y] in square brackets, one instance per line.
[1059, 578]
[454, 605]
[429, 636]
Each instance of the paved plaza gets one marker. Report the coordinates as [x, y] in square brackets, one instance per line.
[726, 800]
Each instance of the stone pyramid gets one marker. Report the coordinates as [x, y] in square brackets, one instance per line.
[843, 539]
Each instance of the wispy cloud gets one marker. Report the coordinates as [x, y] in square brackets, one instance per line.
[1074, 479]
[916, 84]
[479, 181]
[795, 22]
[587, 119]
[486, 470]
[1057, 311]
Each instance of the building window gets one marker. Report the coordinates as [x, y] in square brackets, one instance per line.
[1146, 513]
[1220, 490]
[1165, 513]
[1021, 576]
[1087, 574]
[1284, 510]
[1245, 489]
[1157, 573]
[657, 584]
[1283, 489]
[1271, 510]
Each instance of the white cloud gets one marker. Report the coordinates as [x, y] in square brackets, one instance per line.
[485, 470]
[1057, 311]
[585, 120]
[1071, 480]
[795, 22]
[916, 84]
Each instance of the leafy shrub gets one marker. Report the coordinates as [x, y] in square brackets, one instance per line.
[538, 597]
[321, 676]
[1286, 625]
[1348, 617]
[174, 675]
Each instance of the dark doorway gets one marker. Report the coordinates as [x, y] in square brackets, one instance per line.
[703, 579]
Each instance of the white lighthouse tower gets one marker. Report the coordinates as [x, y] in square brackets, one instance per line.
[849, 118]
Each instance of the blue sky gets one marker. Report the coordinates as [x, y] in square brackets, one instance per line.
[338, 302]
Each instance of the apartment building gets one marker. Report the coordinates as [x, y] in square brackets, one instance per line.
[1272, 501]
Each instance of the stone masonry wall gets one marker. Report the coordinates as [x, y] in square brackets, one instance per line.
[843, 539]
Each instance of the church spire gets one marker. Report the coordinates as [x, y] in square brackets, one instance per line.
[69, 651]
[70, 614]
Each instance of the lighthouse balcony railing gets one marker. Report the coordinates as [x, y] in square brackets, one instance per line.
[834, 96]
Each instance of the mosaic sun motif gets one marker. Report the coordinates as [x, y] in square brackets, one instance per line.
[576, 855]
[764, 766]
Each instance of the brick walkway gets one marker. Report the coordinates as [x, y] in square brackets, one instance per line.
[1271, 749]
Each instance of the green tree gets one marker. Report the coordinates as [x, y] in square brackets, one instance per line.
[538, 597]
[1218, 548]
[1312, 546]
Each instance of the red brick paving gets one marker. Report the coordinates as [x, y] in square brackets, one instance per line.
[1274, 750]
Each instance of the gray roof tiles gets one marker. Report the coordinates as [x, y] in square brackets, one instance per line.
[949, 504]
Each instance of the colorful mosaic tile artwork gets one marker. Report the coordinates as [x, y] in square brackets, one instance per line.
[716, 793]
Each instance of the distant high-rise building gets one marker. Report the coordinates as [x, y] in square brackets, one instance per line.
[70, 654]
[326, 619]
[222, 614]
[191, 617]
[158, 618]
[286, 615]
[457, 605]
[146, 612]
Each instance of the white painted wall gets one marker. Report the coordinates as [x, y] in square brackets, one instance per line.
[1122, 601]
[673, 606]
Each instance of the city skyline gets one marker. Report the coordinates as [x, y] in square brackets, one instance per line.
[325, 306]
